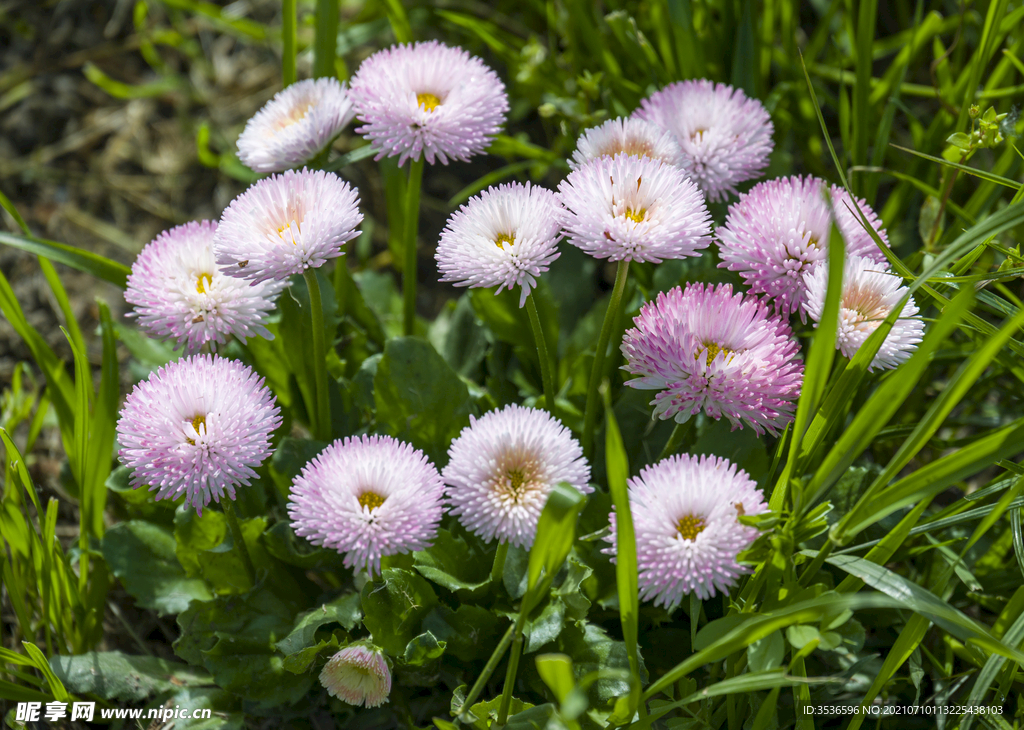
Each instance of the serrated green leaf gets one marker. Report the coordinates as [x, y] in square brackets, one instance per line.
[142, 556]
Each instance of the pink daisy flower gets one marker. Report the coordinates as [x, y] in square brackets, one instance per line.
[297, 124]
[368, 497]
[429, 99]
[285, 224]
[358, 675]
[627, 135]
[504, 237]
[708, 349]
[634, 209]
[685, 514]
[725, 137]
[503, 466]
[870, 292]
[197, 427]
[178, 291]
[779, 231]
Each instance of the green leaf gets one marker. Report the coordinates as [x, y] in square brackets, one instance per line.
[749, 682]
[556, 530]
[486, 713]
[461, 338]
[509, 323]
[767, 654]
[956, 388]
[394, 605]
[541, 717]
[419, 398]
[819, 364]
[556, 671]
[750, 627]
[469, 632]
[204, 548]
[124, 678]
[90, 263]
[280, 541]
[233, 637]
[344, 610]
[591, 650]
[626, 571]
[933, 478]
[423, 649]
[57, 688]
[142, 556]
[451, 564]
[545, 628]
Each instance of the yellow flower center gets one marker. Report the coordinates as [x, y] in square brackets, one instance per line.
[428, 101]
[516, 478]
[371, 500]
[637, 216]
[196, 423]
[813, 241]
[690, 526]
[504, 238]
[285, 227]
[697, 133]
[200, 286]
[713, 349]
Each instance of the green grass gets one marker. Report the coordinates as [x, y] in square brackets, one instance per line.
[889, 566]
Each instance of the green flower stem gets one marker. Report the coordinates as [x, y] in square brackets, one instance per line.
[238, 539]
[499, 562]
[679, 435]
[510, 675]
[288, 36]
[597, 372]
[492, 664]
[325, 45]
[542, 355]
[321, 415]
[412, 220]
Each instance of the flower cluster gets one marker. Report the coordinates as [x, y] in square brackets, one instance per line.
[780, 230]
[179, 292]
[637, 191]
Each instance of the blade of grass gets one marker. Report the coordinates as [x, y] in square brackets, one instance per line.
[958, 386]
[886, 400]
[626, 570]
[931, 479]
[90, 263]
[819, 364]
[862, 112]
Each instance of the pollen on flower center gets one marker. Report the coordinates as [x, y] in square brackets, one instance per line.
[504, 238]
[428, 101]
[200, 286]
[371, 500]
[198, 421]
[713, 349]
[690, 526]
[516, 478]
[294, 115]
[285, 227]
[697, 133]
[636, 215]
